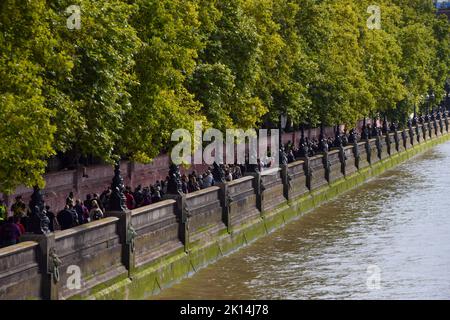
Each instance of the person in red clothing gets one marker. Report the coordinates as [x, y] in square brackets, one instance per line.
[20, 225]
[130, 199]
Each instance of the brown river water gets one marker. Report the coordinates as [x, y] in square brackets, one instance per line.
[388, 239]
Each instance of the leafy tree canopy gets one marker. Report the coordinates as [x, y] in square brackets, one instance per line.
[137, 70]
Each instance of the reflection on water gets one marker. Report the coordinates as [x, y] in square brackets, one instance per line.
[399, 222]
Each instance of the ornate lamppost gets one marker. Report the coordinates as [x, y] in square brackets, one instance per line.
[283, 123]
[378, 142]
[365, 135]
[394, 128]
[117, 200]
[338, 138]
[323, 145]
[411, 131]
[39, 220]
[415, 122]
[386, 131]
[428, 99]
[174, 185]
[304, 148]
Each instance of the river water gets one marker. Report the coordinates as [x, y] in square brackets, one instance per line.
[389, 239]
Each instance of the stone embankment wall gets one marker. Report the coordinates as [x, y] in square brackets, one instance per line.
[135, 255]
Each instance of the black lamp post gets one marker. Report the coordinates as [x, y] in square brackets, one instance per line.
[117, 200]
[375, 128]
[283, 123]
[323, 144]
[364, 131]
[39, 220]
[338, 137]
[415, 123]
[303, 146]
[386, 131]
[385, 126]
[281, 152]
[415, 116]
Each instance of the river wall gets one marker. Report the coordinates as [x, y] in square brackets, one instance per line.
[137, 254]
[95, 179]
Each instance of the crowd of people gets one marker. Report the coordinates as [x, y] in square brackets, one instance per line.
[77, 212]
[74, 213]
[143, 196]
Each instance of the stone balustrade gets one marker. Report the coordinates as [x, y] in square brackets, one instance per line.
[119, 246]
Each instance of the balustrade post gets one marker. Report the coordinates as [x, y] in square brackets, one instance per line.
[225, 202]
[446, 121]
[388, 143]
[308, 172]
[183, 213]
[286, 179]
[48, 262]
[326, 165]
[417, 133]
[356, 153]
[117, 208]
[127, 236]
[430, 129]
[397, 141]
[405, 139]
[258, 186]
[368, 151]
[343, 159]
[379, 145]
[411, 136]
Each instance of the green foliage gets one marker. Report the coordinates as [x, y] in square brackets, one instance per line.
[170, 31]
[339, 89]
[26, 135]
[229, 67]
[137, 70]
[92, 101]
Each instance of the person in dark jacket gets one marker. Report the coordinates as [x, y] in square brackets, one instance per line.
[88, 202]
[9, 233]
[51, 216]
[104, 198]
[70, 198]
[138, 196]
[96, 198]
[68, 217]
[19, 224]
[82, 212]
[156, 195]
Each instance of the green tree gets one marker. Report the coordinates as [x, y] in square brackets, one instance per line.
[91, 101]
[285, 69]
[339, 91]
[170, 31]
[26, 134]
[381, 59]
[229, 67]
[424, 42]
